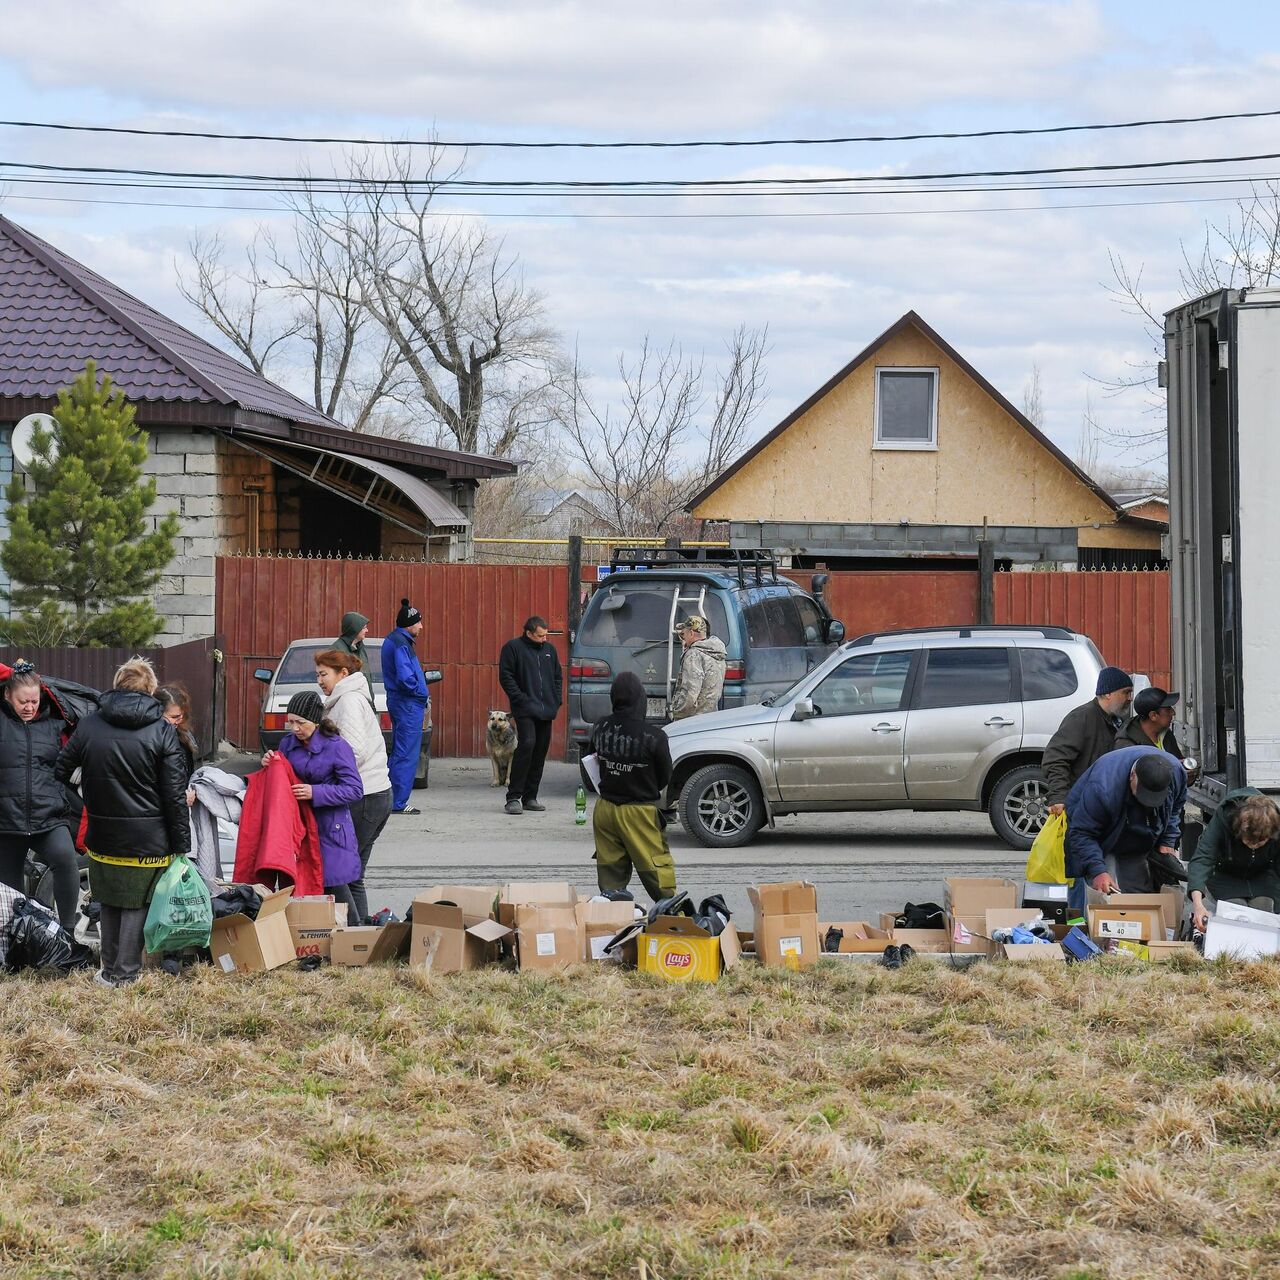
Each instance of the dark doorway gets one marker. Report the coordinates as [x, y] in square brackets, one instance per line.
[330, 525]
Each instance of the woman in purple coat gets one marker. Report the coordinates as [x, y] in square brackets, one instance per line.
[328, 777]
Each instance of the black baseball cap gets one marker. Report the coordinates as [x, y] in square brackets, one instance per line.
[1155, 776]
[1153, 699]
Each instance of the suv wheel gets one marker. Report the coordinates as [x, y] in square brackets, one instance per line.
[1019, 806]
[721, 806]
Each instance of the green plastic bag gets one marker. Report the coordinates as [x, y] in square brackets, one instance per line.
[1047, 861]
[181, 912]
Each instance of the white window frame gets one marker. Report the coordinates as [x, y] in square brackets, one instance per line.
[929, 445]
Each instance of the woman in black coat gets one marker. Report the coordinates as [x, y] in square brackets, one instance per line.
[37, 812]
[134, 782]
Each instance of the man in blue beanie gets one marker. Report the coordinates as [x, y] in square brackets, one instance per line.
[1085, 735]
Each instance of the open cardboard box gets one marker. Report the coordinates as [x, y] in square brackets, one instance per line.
[241, 945]
[859, 938]
[925, 941]
[312, 921]
[678, 950]
[533, 893]
[1170, 902]
[973, 895]
[1132, 924]
[547, 936]
[1033, 952]
[599, 923]
[453, 929]
[353, 946]
[786, 923]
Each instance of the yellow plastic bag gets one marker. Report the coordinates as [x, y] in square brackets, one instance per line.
[1047, 861]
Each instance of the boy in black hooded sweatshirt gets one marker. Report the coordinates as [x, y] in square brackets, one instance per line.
[635, 767]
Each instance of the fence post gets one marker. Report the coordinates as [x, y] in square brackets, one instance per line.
[986, 582]
[575, 585]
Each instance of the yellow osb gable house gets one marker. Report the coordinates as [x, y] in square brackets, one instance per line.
[910, 452]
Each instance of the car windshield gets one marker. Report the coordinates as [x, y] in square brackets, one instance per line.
[299, 665]
[639, 615]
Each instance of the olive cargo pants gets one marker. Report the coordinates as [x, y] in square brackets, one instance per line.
[632, 836]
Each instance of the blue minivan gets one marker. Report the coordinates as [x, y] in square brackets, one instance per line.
[773, 630]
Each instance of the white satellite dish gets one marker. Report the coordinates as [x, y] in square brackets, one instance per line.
[20, 442]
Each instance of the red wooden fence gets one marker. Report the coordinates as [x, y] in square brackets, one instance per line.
[885, 600]
[470, 611]
[1125, 614]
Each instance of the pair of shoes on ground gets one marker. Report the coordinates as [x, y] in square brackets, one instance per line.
[895, 957]
[524, 806]
[408, 811]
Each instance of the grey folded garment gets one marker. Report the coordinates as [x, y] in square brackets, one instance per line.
[218, 795]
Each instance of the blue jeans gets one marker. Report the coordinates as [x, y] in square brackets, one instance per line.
[407, 718]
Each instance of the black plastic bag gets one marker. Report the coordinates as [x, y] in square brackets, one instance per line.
[38, 941]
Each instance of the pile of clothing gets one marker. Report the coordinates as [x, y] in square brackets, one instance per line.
[32, 938]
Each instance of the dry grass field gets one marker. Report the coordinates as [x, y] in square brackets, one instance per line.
[1108, 1120]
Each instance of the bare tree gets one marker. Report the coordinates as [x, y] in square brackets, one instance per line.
[1242, 252]
[1033, 397]
[671, 434]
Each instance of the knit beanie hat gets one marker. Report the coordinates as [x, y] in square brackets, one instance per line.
[1112, 680]
[307, 706]
[408, 615]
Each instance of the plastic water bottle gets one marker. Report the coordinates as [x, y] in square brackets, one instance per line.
[580, 806]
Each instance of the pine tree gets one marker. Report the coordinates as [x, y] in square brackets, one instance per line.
[79, 554]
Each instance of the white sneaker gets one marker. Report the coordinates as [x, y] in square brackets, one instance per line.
[102, 980]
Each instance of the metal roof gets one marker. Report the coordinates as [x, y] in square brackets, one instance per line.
[56, 314]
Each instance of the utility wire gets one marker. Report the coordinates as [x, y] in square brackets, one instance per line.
[684, 143]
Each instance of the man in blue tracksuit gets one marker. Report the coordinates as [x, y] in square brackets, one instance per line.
[1121, 811]
[407, 701]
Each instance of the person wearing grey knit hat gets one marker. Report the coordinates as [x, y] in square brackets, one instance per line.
[306, 706]
[355, 627]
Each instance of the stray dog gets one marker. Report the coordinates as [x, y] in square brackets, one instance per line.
[500, 742]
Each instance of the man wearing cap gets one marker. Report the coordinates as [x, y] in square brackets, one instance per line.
[1123, 809]
[355, 626]
[1152, 722]
[407, 699]
[1085, 735]
[701, 679]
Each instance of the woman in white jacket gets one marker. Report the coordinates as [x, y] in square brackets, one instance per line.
[347, 705]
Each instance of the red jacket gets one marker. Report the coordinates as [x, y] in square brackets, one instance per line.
[278, 843]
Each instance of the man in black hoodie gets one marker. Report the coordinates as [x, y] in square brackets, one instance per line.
[635, 767]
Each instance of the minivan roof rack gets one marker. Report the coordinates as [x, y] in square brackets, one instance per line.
[744, 562]
[964, 633]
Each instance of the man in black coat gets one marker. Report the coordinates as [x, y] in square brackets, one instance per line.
[1085, 735]
[530, 675]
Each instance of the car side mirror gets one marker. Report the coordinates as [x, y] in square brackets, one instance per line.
[433, 675]
[264, 674]
[835, 631]
[803, 709]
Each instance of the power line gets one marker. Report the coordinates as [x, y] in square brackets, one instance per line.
[678, 144]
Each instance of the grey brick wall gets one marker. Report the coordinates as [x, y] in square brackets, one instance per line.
[184, 464]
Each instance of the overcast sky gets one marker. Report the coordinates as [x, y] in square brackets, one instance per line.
[1011, 281]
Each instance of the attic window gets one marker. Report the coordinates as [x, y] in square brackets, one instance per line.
[906, 408]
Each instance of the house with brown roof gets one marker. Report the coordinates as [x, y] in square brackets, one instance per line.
[247, 466]
[908, 454]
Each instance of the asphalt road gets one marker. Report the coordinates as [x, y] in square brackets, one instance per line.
[862, 863]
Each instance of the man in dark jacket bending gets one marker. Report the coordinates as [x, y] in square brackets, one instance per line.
[530, 675]
[635, 767]
[1124, 809]
[1085, 735]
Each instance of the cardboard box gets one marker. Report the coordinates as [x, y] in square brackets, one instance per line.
[547, 936]
[859, 938]
[1170, 902]
[1125, 947]
[1244, 933]
[1161, 952]
[972, 895]
[533, 893]
[678, 950]
[361, 944]
[1033, 952]
[312, 921]
[241, 945]
[1049, 899]
[455, 933]
[786, 923]
[1133, 924]
[599, 923]
[925, 941]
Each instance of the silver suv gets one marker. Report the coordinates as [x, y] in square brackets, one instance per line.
[950, 718]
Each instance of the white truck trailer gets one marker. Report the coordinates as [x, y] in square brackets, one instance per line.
[1222, 372]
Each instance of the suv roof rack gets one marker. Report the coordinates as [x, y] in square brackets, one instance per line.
[744, 562]
[964, 633]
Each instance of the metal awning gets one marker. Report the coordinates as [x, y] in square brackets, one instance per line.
[395, 494]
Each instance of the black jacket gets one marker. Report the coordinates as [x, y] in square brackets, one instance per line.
[1133, 735]
[134, 778]
[530, 676]
[635, 757]
[1083, 738]
[31, 798]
